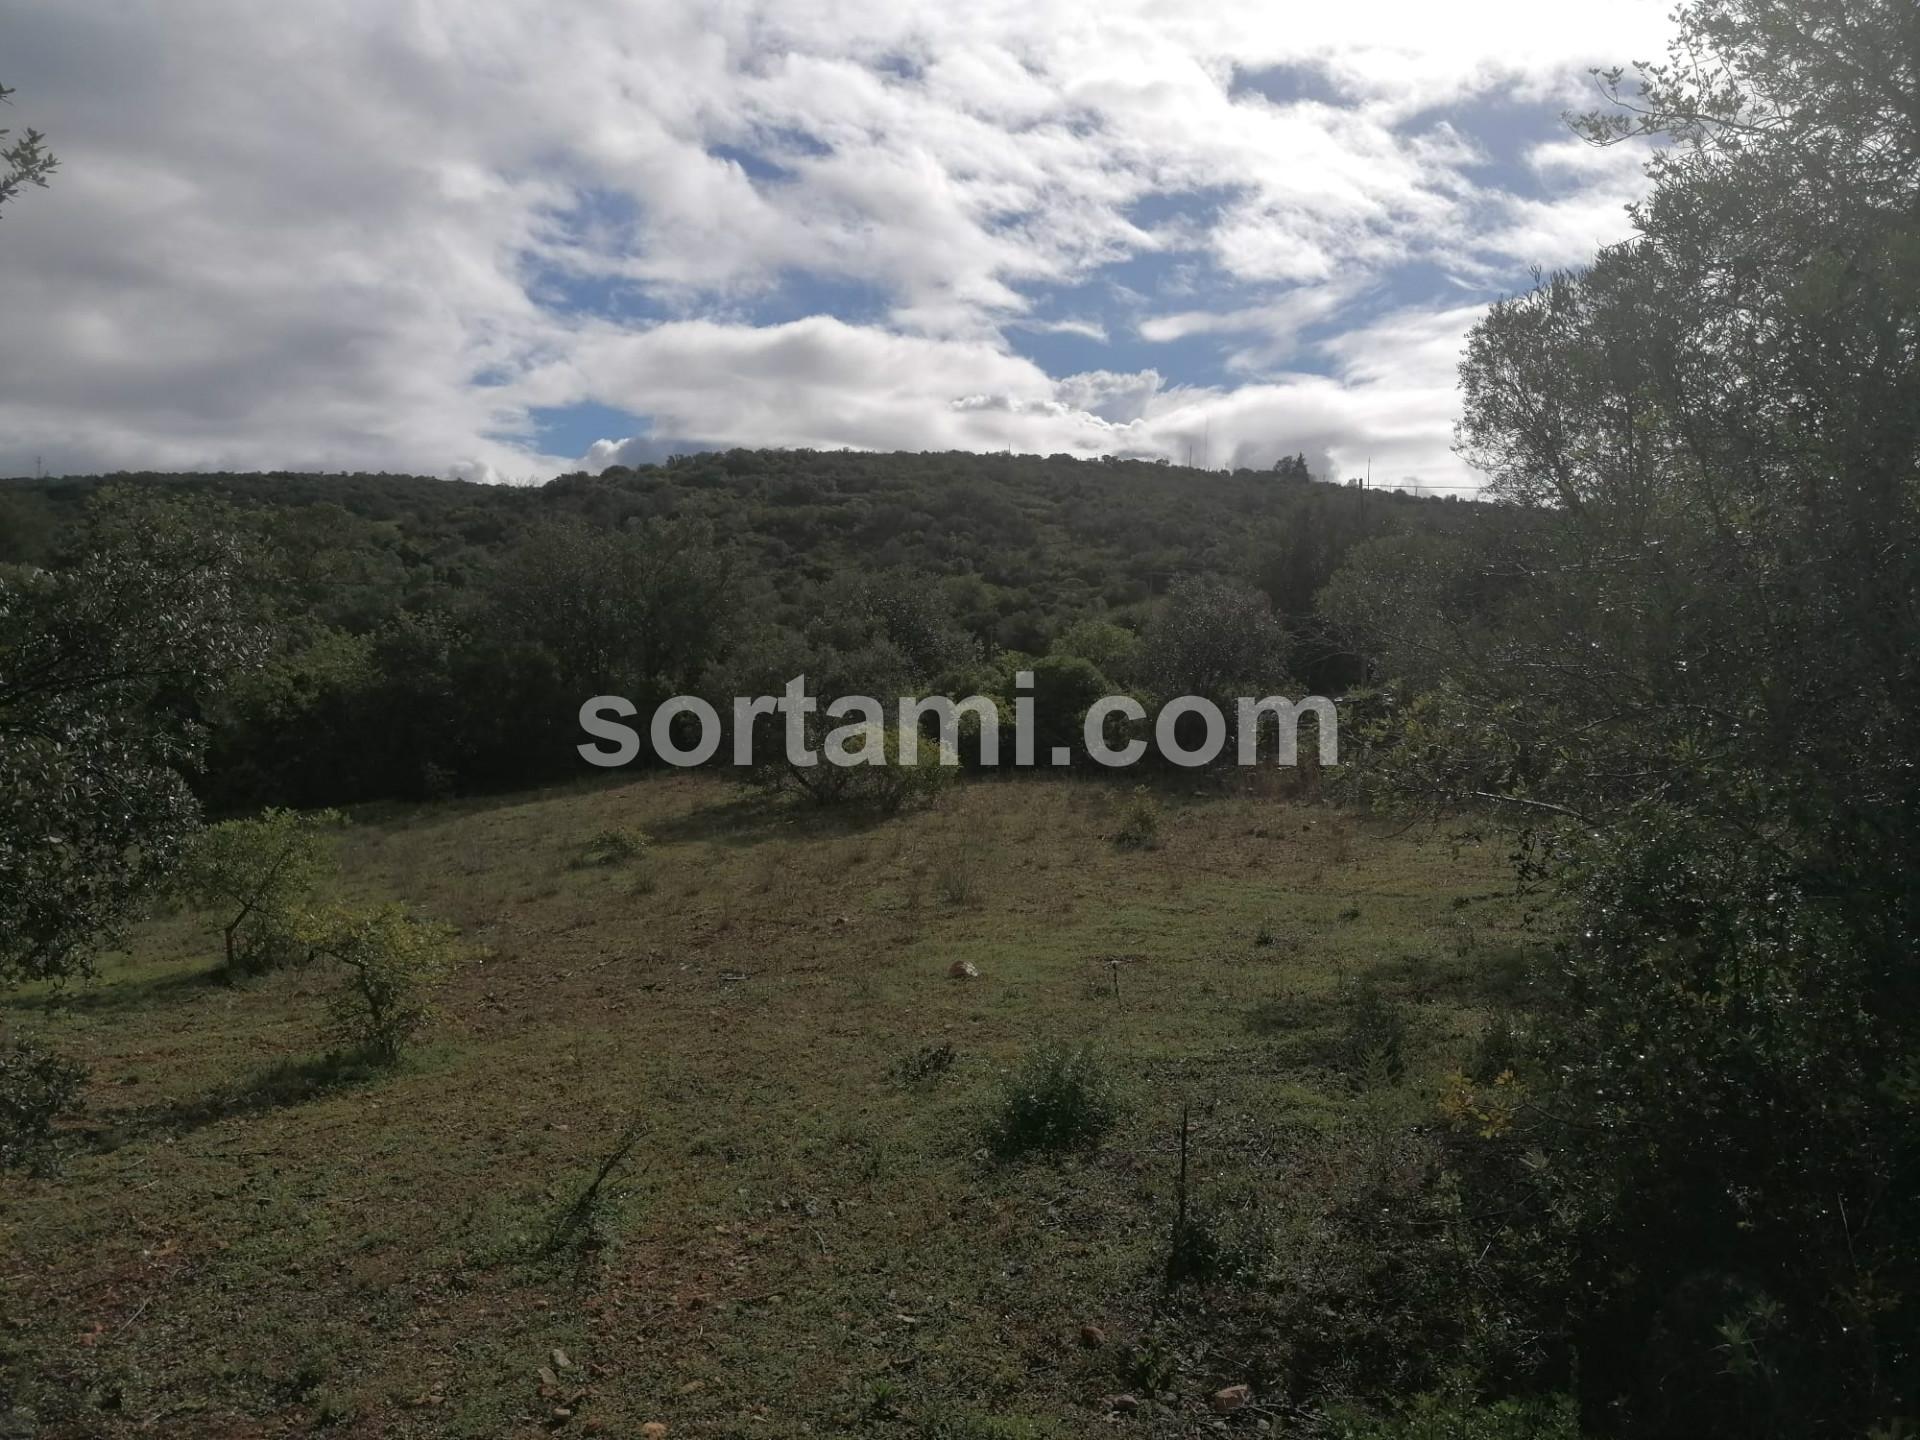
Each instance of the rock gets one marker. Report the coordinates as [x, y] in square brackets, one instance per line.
[1234, 1397]
[962, 970]
[654, 1430]
[560, 1360]
[1092, 1336]
[1123, 1404]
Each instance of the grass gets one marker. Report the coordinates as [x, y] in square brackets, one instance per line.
[809, 1236]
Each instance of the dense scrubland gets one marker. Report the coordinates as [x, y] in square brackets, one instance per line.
[1551, 1068]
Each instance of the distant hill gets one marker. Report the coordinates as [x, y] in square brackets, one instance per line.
[1034, 541]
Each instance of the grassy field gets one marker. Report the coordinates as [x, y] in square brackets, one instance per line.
[809, 1237]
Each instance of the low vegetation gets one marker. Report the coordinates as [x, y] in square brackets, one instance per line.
[848, 1167]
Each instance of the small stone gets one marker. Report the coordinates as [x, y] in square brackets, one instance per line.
[1092, 1336]
[654, 1430]
[561, 1415]
[1123, 1404]
[1234, 1397]
[963, 970]
[560, 1360]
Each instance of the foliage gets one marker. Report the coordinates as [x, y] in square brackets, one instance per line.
[1139, 821]
[430, 636]
[616, 845]
[1372, 1044]
[1681, 660]
[258, 875]
[35, 1087]
[394, 963]
[103, 663]
[1056, 1100]
[25, 161]
[1214, 638]
[886, 783]
[635, 611]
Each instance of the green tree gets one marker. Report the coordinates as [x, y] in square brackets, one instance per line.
[637, 611]
[104, 663]
[1214, 638]
[1684, 658]
[256, 876]
[395, 965]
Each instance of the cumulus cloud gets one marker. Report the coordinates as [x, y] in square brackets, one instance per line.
[351, 234]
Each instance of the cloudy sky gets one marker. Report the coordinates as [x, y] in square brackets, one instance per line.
[502, 240]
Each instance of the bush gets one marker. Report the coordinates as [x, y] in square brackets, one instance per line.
[616, 845]
[395, 963]
[35, 1086]
[1057, 1100]
[888, 787]
[255, 875]
[1139, 821]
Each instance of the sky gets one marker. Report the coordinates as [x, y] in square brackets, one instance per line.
[501, 240]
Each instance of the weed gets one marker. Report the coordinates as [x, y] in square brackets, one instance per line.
[927, 1063]
[1057, 1100]
[958, 878]
[1372, 1044]
[1139, 821]
[580, 1227]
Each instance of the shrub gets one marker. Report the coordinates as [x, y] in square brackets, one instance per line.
[254, 875]
[1372, 1044]
[394, 963]
[616, 845]
[927, 1063]
[1057, 1100]
[35, 1086]
[957, 877]
[1139, 821]
[888, 787]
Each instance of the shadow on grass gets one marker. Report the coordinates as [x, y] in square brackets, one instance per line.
[115, 996]
[278, 1086]
[752, 819]
[1492, 975]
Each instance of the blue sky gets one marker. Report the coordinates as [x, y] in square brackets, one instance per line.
[500, 239]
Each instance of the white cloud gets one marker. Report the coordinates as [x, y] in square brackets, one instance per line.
[333, 235]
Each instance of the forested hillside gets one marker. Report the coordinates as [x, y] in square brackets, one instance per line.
[429, 636]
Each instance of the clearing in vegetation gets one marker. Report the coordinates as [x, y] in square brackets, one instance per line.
[708, 1133]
